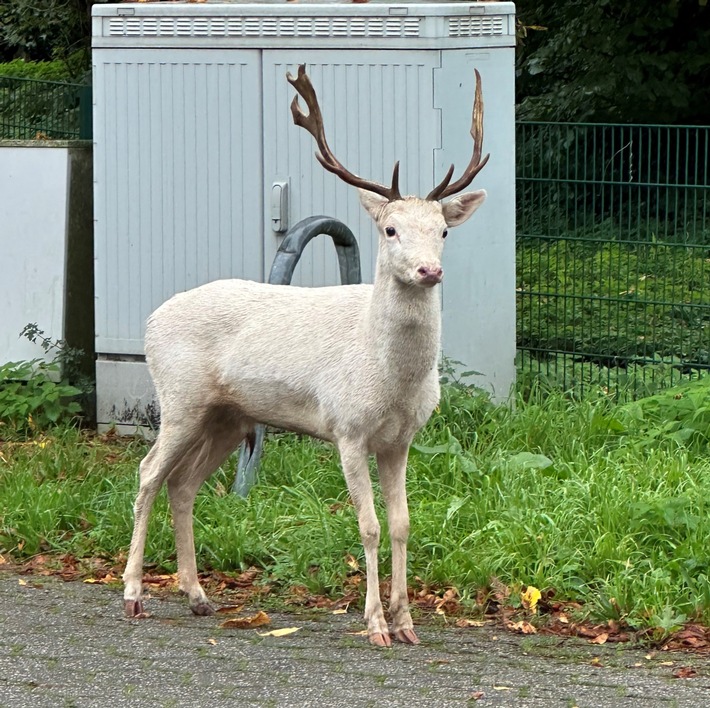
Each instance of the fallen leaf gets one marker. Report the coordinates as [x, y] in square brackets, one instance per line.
[229, 609]
[666, 663]
[601, 639]
[352, 562]
[22, 581]
[685, 672]
[257, 620]
[476, 696]
[596, 661]
[363, 633]
[339, 612]
[3, 560]
[522, 627]
[562, 617]
[530, 598]
[213, 642]
[463, 622]
[502, 688]
[279, 632]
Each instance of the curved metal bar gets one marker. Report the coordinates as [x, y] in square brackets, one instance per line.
[285, 261]
[298, 237]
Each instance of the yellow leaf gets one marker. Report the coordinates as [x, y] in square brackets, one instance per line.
[21, 581]
[502, 688]
[530, 598]
[352, 562]
[92, 581]
[257, 620]
[211, 641]
[339, 612]
[279, 632]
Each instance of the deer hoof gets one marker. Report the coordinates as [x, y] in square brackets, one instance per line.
[202, 609]
[133, 608]
[406, 636]
[379, 639]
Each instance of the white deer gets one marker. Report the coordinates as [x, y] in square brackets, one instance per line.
[355, 365]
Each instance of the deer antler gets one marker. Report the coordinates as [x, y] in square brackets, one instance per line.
[313, 123]
[444, 189]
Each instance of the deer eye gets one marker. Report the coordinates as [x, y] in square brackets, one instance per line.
[390, 231]
[445, 234]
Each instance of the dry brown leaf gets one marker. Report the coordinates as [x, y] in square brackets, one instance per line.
[476, 696]
[601, 639]
[257, 620]
[284, 631]
[229, 609]
[3, 560]
[463, 622]
[522, 627]
[685, 672]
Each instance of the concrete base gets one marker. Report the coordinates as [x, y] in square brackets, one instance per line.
[125, 397]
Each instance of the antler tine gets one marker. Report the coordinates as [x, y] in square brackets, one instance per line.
[313, 123]
[444, 189]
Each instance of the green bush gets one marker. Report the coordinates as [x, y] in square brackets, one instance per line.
[31, 400]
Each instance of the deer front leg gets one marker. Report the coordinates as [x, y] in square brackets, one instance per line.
[392, 467]
[354, 460]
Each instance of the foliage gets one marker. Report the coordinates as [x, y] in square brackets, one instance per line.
[589, 498]
[614, 60]
[70, 69]
[44, 29]
[38, 395]
[31, 400]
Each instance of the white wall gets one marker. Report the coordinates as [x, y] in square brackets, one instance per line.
[33, 219]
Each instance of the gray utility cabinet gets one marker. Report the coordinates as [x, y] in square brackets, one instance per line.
[194, 141]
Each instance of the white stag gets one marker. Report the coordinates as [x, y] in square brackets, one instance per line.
[355, 365]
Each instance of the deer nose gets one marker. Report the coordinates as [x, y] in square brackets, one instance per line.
[430, 275]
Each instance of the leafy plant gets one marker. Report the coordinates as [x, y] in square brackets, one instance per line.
[31, 400]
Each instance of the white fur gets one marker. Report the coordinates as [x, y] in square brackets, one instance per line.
[355, 365]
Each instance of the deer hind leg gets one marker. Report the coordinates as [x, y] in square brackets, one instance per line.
[222, 434]
[173, 444]
[357, 475]
[392, 467]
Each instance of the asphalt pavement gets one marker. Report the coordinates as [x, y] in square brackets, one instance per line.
[67, 644]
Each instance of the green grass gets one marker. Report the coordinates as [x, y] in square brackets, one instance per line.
[606, 504]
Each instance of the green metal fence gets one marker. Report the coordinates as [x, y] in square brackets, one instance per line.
[613, 254]
[46, 109]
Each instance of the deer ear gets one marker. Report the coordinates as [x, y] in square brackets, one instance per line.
[372, 202]
[460, 208]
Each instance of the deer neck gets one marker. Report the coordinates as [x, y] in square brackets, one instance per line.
[404, 327]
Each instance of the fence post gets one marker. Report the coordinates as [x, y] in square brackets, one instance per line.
[86, 131]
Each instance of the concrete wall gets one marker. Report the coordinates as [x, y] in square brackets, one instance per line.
[46, 245]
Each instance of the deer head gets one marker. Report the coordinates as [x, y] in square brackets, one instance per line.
[412, 230]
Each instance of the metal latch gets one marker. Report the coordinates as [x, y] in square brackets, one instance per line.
[279, 206]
